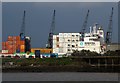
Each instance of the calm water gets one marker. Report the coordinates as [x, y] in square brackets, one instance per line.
[62, 76]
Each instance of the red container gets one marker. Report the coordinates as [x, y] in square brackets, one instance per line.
[17, 38]
[17, 42]
[3, 43]
[6, 43]
[22, 42]
[22, 50]
[10, 38]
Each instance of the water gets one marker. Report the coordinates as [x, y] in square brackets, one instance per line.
[62, 76]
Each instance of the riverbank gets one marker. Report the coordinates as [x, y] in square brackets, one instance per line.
[55, 65]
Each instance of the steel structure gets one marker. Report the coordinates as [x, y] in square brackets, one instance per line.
[22, 32]
[109, 32]
[51, 33]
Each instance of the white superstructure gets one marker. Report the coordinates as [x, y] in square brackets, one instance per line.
[66, 43]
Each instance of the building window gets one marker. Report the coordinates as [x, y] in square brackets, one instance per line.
[73, 40]
[76, 35]
[72, 35]
[68, 40]
[76, 40]
[76, 44]
[73, 50]
[68, 44]
[73, 45]
[68, 49]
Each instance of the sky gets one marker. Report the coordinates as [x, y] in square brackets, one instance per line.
[69, 18]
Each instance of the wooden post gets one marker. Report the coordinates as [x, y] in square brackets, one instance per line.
[105, 63]
[98, 63]
[89, 61]
[112, 63]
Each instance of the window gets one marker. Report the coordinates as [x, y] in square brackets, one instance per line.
[76, 40]
[73, 45]
[76, 35]
[68, 49]
[72, 35]
[68, 40]
[76, 44]
[73, 40]
[68, 44]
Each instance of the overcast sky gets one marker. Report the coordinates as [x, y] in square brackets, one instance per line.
[69, 18]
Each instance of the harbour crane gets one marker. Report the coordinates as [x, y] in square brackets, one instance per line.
[85, 22]
[84, 25]
[51, 33]
[109, 32]
[22, 32]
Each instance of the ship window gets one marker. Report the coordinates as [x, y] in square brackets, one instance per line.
[77, 35]
[73, 40]
[77, 40]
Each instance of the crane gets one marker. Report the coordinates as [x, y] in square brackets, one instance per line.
[84, 25]
[109, 32]
[85, 22]
[51, 33]
[22, 32]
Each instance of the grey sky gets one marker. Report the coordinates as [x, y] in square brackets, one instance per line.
[69, 18]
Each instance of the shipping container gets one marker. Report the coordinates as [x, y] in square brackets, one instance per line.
[10, 38]
[22, 50]
[17, 38]
[22, 46]
[22, 42]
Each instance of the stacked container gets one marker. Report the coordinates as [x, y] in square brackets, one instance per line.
[14, 44]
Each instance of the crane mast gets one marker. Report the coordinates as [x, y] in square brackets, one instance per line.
[22, 32]
[85, 22]
[51, 33]
[84, 26]
[109, 32]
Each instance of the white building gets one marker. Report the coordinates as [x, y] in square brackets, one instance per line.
[66, 43]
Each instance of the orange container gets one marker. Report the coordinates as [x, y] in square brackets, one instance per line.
[3, 43]
[22, 42]
[10, 38]
[22, 46]
[22, 50]
[10, 42]
[6, 43]
[17, 38]
[17, 42]
[10, 51]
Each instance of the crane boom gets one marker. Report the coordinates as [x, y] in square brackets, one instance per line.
[51, 33]
[85, 22]
[109, 32]
[22, 32]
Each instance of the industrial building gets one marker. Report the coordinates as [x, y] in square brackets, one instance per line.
[66, 43]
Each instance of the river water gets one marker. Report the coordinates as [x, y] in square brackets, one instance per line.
[62, 76]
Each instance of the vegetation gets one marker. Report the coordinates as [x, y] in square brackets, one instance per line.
[73, 63]
[84, 53]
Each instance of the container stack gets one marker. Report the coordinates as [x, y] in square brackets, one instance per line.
[14, 44]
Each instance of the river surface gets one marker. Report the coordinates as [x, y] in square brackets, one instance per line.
[62, 76]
